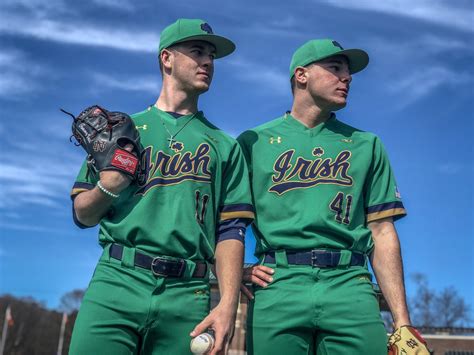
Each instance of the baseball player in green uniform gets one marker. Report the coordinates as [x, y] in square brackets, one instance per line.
[325, 200]
[190, 206]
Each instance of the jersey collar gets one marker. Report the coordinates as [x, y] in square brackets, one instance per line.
[300, 127]
[170, 119]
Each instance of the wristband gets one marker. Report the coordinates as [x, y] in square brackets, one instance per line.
[105, 191]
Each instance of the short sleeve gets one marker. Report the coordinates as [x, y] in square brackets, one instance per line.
[236, 200]
[84, 181]
[243, 140]
[382, 197]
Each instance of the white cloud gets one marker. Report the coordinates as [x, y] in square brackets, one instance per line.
[38, 7]
[150, 83]
[274, 81]
[413, 69]
[61, 21]
[450, 168]
[426, 47]
[437, 11]
[436, 44]
[25, 227]
[288, 21]
[85, 34]
[19, 74]
[420, 83]
[123, 5]
[44, 180]
[12, 85]
[11, 215]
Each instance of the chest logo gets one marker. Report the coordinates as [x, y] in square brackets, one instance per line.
[177, 146]
[173, 169]
[276, 140]
[317, 152]
[292, 172]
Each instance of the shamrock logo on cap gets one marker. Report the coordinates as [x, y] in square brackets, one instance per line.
[336, 44]
[206, 28]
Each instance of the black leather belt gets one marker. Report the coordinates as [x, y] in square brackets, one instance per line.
[316, 258]
[160, 266]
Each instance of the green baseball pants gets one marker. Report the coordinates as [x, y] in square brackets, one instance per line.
[128, 310]
[323, 311]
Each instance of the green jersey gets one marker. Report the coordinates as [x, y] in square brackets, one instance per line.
[192, 178]
[318, 187]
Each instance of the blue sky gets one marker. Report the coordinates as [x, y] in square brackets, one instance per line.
[416, 95]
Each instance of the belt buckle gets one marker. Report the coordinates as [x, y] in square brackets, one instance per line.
[321, 262]
[162, 267]
[314, 257]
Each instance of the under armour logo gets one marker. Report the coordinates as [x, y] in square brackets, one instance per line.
[336, 44]
[275, 140]
[412, 343]
[142, 127]
[206, 28]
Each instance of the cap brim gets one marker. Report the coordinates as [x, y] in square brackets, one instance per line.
[223, 45]
[358, 59]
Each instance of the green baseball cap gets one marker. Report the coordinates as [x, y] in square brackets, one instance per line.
[319, 49]
[194, 30]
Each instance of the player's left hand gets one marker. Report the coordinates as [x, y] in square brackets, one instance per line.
[256, 274]
[221, 320]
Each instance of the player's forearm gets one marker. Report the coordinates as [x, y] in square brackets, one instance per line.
[387, 264]
[229, 261]
[90, 206]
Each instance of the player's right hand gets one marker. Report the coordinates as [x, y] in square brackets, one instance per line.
[222, 321]
[256, 274]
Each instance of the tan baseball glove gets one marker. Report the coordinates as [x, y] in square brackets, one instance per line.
[406, 340]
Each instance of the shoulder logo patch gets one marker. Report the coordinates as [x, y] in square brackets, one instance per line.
[211, 138]
[397, 193]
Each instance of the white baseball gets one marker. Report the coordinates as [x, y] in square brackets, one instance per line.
[202, 344]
